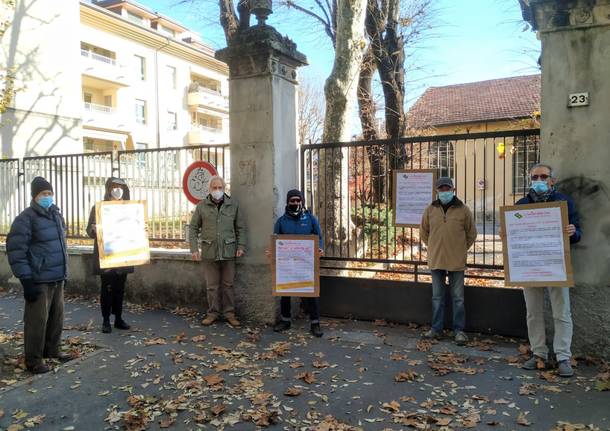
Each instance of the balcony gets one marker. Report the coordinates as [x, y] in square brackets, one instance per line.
[102, 67]
[200, 135]
[199, 96]
[103, 117]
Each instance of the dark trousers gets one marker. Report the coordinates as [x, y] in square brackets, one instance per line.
[111, 295]
[312, 306]
[43, 321]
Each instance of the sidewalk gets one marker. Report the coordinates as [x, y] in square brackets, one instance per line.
[169, 372]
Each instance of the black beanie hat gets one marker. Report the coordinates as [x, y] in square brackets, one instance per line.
[38, 185]
[293, 194]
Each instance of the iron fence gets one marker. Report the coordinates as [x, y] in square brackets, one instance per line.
[155, 175]
[349, 186]
[79, 181]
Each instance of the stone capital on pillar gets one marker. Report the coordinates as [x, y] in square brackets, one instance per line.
[261, 50]
[264, 158]
[553, 15]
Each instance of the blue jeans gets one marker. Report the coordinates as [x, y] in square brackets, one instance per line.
[456, 284]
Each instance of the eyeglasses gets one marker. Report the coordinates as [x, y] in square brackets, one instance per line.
[543, 177]
[294, 201]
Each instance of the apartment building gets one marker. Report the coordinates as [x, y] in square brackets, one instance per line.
[109, 75]
[147, 81]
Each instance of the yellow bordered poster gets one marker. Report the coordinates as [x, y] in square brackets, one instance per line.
[121, 233]
[536, 247]
[295, 265]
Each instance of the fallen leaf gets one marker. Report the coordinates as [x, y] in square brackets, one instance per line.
[154, 341]
[522, 420]
[406, 376]
[307, 377]
[393, 406]
[167, 422]
[218, 409]
[198, 338]
[213, 379]
[297, 365]
[321, 364]
[293, 392]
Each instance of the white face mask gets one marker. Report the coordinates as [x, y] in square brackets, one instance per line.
[217, 195]
[116, 193]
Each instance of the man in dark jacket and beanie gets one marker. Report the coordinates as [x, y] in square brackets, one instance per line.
[298, 221]
[112, 280]
[36, 248]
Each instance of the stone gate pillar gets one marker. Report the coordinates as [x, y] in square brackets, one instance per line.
[264, 158]
[575, 37]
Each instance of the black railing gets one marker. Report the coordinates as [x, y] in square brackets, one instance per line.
[349, 186]
[79, 181]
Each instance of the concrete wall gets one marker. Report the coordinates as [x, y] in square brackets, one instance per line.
[172, 279]
[576, 141]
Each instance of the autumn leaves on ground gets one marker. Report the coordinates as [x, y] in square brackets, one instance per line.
[170, 373]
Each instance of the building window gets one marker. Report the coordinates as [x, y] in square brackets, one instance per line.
[442, 157]
[171, 76]
[172, 120]
[167, 31]
[140, 111]
[526, 152]
[87, 97]
[107, 100]
[140, 67]
[134, 17]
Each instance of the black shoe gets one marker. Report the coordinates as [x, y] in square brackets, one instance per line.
[39, 369]
[121, 324]
[106, 328]
[63, 357]
[315, 330]
[281, 326]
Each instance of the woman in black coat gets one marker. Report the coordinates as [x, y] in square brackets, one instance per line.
[112, 280]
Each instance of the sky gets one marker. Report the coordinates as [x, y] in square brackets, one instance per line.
[470, 40]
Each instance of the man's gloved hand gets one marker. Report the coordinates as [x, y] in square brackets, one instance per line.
[31, 291]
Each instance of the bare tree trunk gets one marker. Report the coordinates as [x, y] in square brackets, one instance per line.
[367, 110]
[340, 91]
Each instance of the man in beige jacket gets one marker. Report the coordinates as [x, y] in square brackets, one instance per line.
[448, 230]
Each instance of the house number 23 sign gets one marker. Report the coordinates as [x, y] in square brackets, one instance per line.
[578, 99]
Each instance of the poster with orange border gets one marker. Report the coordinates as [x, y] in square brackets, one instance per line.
[295, 265]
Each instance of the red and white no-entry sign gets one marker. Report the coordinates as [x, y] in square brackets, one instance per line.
[195, 181]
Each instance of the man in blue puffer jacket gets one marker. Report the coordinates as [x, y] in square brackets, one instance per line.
[298, 221]
[36, 248]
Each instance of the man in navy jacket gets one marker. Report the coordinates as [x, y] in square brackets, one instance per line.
[298, 221]
[37, 253]
[542, 189]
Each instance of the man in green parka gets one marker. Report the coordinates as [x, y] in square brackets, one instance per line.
[217, 225]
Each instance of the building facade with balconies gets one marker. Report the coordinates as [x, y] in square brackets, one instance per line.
[108, 75]
[147, 81]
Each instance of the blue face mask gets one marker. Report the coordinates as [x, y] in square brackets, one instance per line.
[445, 197]
[540, 187]
[45, 202]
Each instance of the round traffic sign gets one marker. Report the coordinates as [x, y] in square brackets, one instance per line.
[195, 180]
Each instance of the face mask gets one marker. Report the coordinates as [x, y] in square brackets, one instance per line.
[294, 208]
[217, 195]
[45, 202]
[445, 197]
[540, 187]
[116, 193]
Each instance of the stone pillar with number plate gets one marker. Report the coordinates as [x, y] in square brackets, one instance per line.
[575, 140]
[264, 159]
